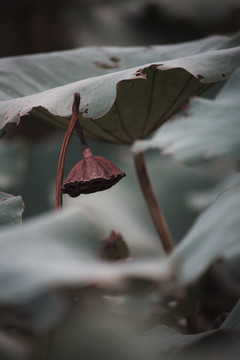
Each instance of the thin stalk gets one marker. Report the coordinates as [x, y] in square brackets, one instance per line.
[64, 149]
[85, 148]
[79, 131]
[152, 203]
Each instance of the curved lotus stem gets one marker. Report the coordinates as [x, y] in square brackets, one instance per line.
[63, 154]
[152, 203]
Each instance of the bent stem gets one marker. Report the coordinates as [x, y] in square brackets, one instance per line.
[65, 145]
[152, 203]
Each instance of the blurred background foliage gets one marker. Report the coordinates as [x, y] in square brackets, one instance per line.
[46, 25]
[29, 155]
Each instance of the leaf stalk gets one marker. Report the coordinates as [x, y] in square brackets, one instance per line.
[64, 149]
[152, 203]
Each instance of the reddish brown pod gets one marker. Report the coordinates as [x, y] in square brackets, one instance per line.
[92, 174]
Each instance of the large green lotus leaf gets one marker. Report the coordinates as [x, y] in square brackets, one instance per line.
[26, 75]
[113, 338]
[209, 130]
[140, 91]
[214, 236]
[59, 250]
[113, 334]
[11, 209]
[200, 199]
[164, 340]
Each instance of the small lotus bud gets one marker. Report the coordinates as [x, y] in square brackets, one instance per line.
[114, 247]
[92, 174]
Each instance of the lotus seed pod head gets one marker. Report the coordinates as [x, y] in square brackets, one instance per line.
[92, 174]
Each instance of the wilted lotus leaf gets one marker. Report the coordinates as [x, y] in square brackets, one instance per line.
[119, 104]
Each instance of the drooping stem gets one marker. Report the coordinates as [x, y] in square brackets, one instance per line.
[79, 131]
[85, 148]
[65, 145]
[152, 203]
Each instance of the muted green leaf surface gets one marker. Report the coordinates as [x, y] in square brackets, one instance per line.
[60, 250]
[112, 336]
[168, 341]
[201, 199]
[11, 209]
[208, 130]
[26, 75]
[214, 236]
[213, 344]
[126, 92]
